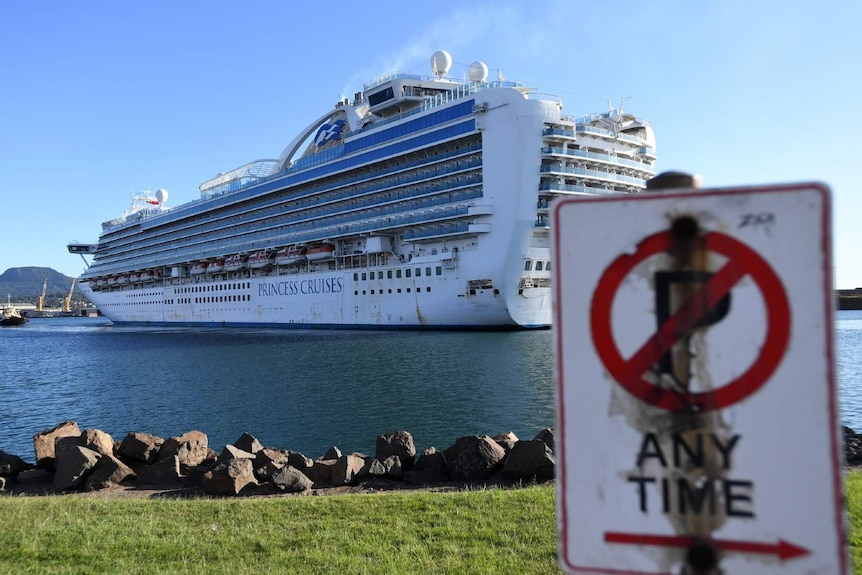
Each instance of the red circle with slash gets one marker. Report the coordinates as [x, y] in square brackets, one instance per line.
[741, 261]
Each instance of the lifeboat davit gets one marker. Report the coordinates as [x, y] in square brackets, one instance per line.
[234, 263]
[260, 260]
[290, 256]
[320, 253]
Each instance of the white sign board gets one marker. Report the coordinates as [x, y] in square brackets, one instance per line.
[697, 416]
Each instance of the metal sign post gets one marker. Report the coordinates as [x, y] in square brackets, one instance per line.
[697, 414]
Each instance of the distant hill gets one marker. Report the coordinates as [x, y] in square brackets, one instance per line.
[25, 285]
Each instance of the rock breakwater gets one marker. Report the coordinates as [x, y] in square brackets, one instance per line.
[71, 460]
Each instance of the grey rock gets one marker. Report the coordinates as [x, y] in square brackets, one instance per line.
[398, 443]
[506, 440]
[231, 452]
[229, 478]
[332, 453]
[73, 466]
[249, 443]
[108, 472]
[162, 472]
[345, 470]
[43, 443]
[190, 448]
[473, 458]
[143, 447]
[291, 480]
[394, 470]
[430, 469]
[97, 440]
[530, 461]
[547, 435]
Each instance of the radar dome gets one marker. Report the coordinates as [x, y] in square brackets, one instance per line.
[441, 61]
[162, 195]
[478, 72]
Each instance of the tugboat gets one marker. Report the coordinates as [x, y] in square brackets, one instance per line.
[9, 316]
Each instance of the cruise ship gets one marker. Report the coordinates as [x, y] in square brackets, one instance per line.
[421, 203]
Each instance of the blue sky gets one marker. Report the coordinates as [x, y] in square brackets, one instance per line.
[103, 99]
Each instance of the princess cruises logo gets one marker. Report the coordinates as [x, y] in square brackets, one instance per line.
[328, 132]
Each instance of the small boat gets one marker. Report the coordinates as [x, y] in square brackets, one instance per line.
[112, 281]
[147, 275]
[135, 277]
[121, 280]
[199, 268]
[260, 260]
[234, 263]
[290, 256]
[9, 316]
[320, 253]
[215, 267]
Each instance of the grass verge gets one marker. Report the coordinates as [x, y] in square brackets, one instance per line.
[474, 532]
[493, 531]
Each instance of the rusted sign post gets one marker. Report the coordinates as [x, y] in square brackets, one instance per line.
[697, 419]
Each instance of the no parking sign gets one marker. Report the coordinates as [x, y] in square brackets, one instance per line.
[697, 417]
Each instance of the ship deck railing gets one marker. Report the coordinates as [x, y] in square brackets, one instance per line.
[305, 232]
[643, 166]
[595, 174]
[363, 199]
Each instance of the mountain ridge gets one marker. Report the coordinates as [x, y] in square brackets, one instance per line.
[24, 284]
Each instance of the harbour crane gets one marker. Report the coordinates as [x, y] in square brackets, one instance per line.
[67, 302]
[42, 297]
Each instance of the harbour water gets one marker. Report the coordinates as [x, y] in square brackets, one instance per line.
[301, 390]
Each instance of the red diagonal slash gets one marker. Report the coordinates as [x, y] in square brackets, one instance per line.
[782, 549]
[741, 261]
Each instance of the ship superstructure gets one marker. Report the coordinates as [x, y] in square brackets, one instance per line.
[423, 202]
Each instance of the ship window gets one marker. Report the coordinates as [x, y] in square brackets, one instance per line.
[427, 271]
[372, 292]
[528, 265]
[408, 290]
[363, 292]
[539, 266]
[355, 276]
[548, 267]
[371, 275]
[418, 272]
[389, 276]
[399, 290]
[390, 290]
[364, 276]
[428, 288]
[408, 272]
[439, 270]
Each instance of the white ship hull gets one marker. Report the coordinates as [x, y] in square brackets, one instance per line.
[435, 219]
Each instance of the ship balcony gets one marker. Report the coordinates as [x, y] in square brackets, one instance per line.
[553, 152]
[559, 133]
[561, 188]
[646, 152]
[608, 134]
[445, 230]
[592, 174]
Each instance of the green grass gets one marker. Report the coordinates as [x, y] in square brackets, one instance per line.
[493, 531]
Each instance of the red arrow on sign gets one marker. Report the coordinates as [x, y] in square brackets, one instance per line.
[782, 549]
